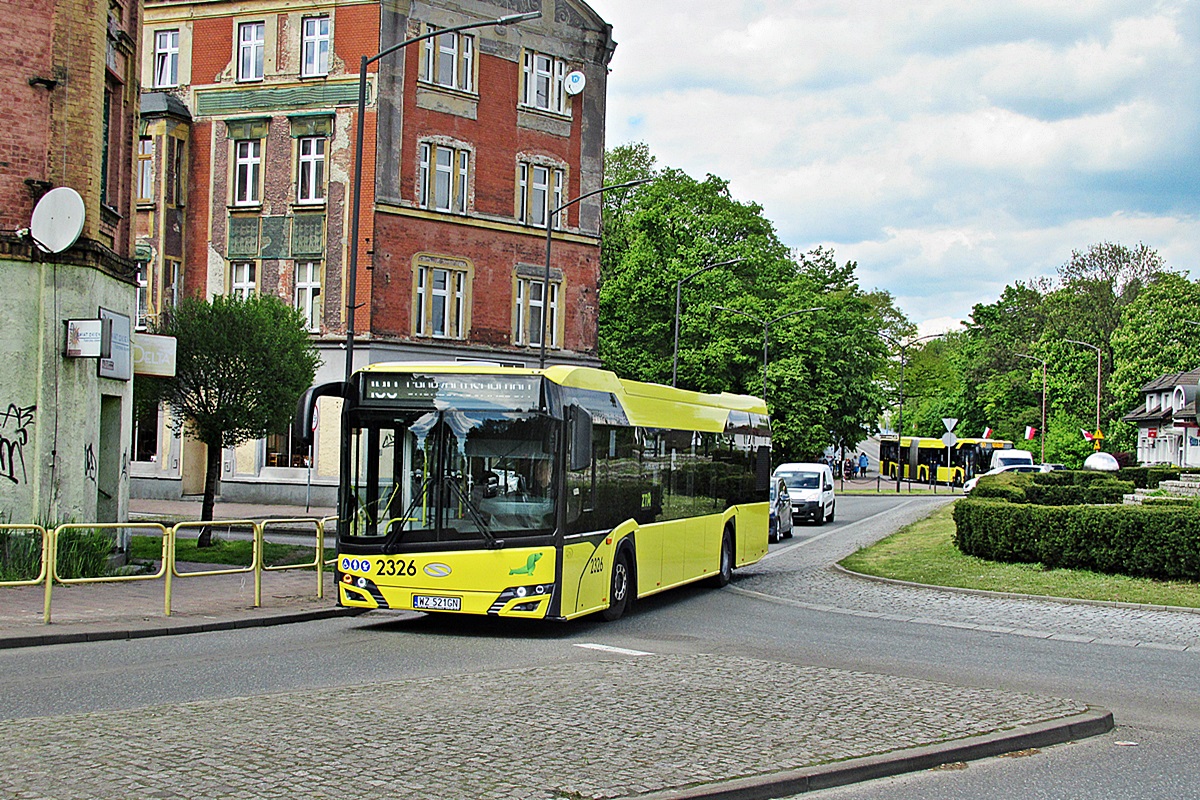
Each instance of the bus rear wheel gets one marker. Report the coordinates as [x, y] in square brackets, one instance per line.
[621, 583]
[725, 570]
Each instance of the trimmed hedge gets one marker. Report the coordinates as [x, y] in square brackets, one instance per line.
[1058, 488]
[1162, 543]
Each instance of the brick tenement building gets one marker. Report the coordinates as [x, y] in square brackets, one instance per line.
[472, 138]
[68, 79]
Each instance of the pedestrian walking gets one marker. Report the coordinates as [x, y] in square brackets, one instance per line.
[863, 463]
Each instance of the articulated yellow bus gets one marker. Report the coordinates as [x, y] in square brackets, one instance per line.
[928, 460]
[548, 493]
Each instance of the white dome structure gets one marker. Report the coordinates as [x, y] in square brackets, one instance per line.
[1101, 462]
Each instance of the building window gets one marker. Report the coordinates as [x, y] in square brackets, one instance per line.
[448, 60]
[145, 433]
[166, 59]
[242, 282]
[143, 296]
[542, 82]
[172, 284]
[283, 451]
[442, 179]
[539, 192]
[441, 302]
[247, 172]
[308, 293]
[251, 45]
[315, 47]
[530, 306]
[174, 171]
[105, 146]
[145, 170]
[310, 183]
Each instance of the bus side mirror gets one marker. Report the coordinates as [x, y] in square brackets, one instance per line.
[306, 408]
[579, 430]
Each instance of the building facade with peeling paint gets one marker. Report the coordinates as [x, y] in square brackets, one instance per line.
[68, 76]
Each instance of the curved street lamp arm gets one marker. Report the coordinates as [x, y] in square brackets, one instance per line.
[549, 234]
[678, 303]
[510, 19]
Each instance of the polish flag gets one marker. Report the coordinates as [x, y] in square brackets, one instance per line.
[1087, 435]
[987, 433]
[1030, 432]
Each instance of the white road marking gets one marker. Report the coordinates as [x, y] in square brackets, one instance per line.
[610, 649]
[780, 551]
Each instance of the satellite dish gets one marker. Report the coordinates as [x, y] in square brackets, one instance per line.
[57, 220]
[574, 82]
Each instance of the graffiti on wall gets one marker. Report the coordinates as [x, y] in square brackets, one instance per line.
[15, 423]
[89, 462]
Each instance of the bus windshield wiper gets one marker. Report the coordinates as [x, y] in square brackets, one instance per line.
[474, 514]
[396, 534]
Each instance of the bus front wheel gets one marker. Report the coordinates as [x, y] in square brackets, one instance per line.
[619, 588]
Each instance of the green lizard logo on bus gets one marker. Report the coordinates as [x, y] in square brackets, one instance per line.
[530, 563]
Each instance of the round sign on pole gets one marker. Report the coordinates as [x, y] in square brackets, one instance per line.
[949, 439]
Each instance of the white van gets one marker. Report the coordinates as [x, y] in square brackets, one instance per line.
[1011, 458]
[811, 489]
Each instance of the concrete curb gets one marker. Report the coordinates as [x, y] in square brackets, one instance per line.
[1070, 601]
[1093, 722]
[167, 628]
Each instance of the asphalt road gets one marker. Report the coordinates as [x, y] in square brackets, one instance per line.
[789, 610]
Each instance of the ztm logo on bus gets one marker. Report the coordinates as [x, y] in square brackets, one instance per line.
[437, 570]
[355, 565]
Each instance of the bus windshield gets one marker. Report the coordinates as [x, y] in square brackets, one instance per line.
[433, 476]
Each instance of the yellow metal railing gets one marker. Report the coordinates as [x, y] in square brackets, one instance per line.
[48, 574]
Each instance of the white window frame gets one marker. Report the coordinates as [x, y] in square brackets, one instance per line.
[440, 311]
[145, 176]
[243, 279]
[443, 177]
[308, 293]
[448, 48]
[166, 59]
[252, 47]
[314, 47]
[310, 177]
[537, 198]
[543, 82]
[142, 314]
[247, 172]
[529, 309]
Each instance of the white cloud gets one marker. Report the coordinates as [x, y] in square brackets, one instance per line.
[949, 147]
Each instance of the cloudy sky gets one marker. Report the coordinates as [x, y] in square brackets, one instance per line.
[950, 147]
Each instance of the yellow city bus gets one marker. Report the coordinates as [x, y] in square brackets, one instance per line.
[539, 493]
[926, 459]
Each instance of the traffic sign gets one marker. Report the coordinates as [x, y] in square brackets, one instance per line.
[949, 422]
[949, 439]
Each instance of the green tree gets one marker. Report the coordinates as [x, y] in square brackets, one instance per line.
[241, 365]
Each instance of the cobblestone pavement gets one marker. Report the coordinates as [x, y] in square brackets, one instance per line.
[618, 726]
[801, 574]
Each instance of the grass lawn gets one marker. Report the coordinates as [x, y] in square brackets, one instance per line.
[234, 552]
[924, 552]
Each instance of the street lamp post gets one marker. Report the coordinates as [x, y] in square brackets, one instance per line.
[1043, 363]
[352, 289]
[678, 289]
[1097, 349]
[903, 348]
[766, 326]
[549, 230]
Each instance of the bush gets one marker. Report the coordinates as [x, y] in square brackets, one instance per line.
[83, 553]
[1155, 542]
[20, 555]
[1090, 492]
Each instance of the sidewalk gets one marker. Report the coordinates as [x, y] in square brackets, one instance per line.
[135, 609]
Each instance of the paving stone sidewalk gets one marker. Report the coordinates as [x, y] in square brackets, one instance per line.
[620, 726]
